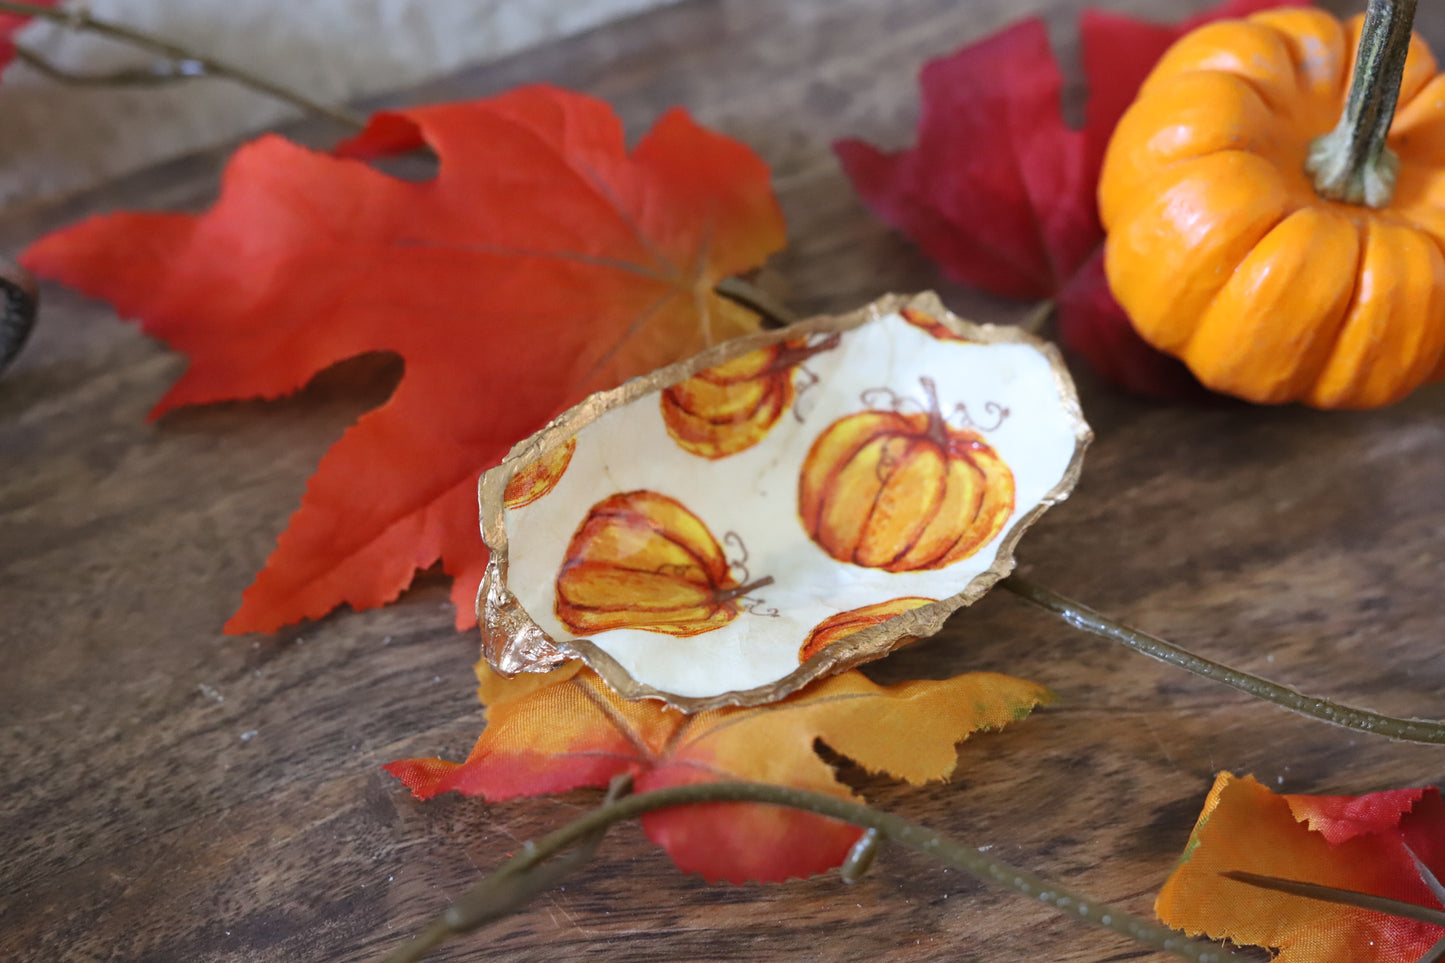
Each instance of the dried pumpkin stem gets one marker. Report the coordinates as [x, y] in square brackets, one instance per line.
[188, 62]
[1352, 162]
[937, 431]
[1080, 616]
[498, 894]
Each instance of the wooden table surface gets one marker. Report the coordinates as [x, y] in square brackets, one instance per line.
[171, 793]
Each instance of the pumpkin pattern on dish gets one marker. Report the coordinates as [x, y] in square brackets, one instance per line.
[730, 407]
[930, 324]
[844, 624]
[903, 492]
[538, 477]
[642, 560]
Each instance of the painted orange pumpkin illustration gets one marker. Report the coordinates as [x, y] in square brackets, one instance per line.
[931, 324]
[843, 624]
[641, 560]
[903, 493]
[537, 478]
[730, 407]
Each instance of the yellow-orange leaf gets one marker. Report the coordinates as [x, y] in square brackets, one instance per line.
[568, 729]
[1360, 843]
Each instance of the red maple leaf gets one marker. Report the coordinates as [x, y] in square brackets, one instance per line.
[568, 729]
[543, 262]
[9, 23]
[999, 191]
[1367, 844]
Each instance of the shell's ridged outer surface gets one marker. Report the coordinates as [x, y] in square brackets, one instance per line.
[782, 507]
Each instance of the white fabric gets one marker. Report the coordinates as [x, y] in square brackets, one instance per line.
[56, 139]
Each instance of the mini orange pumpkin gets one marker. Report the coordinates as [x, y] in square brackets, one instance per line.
[732, 406]
[1223, 253]
[641, 560]
[903, 492]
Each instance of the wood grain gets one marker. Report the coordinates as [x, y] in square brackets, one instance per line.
[171, 793]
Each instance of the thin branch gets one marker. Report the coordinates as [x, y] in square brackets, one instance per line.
[497, 895]
[81, 19]
[1038, 318]
[511, 887]
[1080, 616]
[1342, 897]
[156, 74]
[754, 298]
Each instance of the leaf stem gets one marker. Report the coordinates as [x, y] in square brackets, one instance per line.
[190, 63]
[1038, 317]
[499, 894]
[1341, 897]
[1352, 162]
[1080, 616]
[754, 298]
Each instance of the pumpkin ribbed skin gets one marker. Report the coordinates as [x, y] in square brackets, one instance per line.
[730, 407]
[1220, 250]
[902, 493]
[641, 560]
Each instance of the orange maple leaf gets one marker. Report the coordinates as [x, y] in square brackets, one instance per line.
[543, 262]
[1359, 843]
[568, 729]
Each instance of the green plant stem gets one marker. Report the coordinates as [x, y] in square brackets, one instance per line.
[1367, 901]
[1080, 616]
[498, 895]
[197, 64]
[1036, 320]
[1352, 162]
[156, 74]
[1341, 897]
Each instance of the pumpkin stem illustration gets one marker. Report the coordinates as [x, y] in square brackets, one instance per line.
[790, 357]
[937, 430]
[727, 595]
[1352, 163]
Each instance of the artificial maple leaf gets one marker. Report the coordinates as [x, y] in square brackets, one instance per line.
[1360, 843]
[9, 23]
[542, 263]
[999, 191]
[568, 729]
